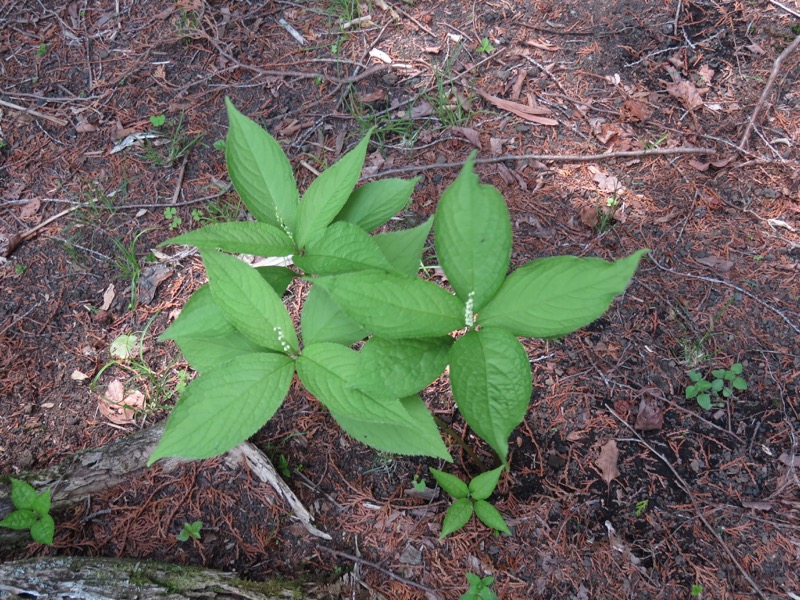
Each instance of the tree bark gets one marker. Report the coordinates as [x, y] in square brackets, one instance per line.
[71, 578]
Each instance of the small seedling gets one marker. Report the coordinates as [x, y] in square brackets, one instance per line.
[32, 512]
[485, 46]
[606, 213]
[641, 506]
[42, 50]
[20, 269]
[197, 215]
[171, 215]
[697, 590]
[220, 145]
[656, 143]
[157, 120]
[419, 484]
[283, 466]
[479, 588]
[470, 499]
[725, 384]
[190, 530]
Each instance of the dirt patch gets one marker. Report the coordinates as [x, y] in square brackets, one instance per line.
[701, 500]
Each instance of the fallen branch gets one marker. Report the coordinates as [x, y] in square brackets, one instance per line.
[33, 113]
[550, 158]
[698, 509]
[767, 88]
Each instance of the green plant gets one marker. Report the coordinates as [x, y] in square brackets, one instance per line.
[725, 384]
[32, 512]
[651, 145]
[177, 144]
[696, 591]
[127, 263]
[450, 108]
[19, 269]
[641, 506]
[485, 47]
[171, 215]
[479, 588]
[365, 288]
[283, 466]
[419, 483]
[41, 50]
[157, 120]
[190, 530]
[606, 213]
[220, 145]
[469, 499]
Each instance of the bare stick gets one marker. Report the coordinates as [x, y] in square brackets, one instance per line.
[551, 158]
[33, 113]
[786, 8]
[698, 509]
[767, 88]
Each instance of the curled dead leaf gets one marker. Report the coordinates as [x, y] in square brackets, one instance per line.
[720, 265]
[529, 113]
[472, 135]
[650, 416]
[118, 407]
[30, 208]
[687, 93]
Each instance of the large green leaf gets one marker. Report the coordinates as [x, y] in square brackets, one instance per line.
[19, 519]
[260, 172]
[23, 495]
[328, 193]
[277, 277]
[329, 370]
[484, 484]
[225, 406]
[490, 375]
[323, 321]
[249, 237]
[552, 297]
[249, 303]
[490, 516]
[394, 305]
[473, 237]
[403, 248]
[204, 335]
[342, 248]
[403, 366]
[421, 439]
[374, 203]
[43, 529]
[456, 516]
[451, 484]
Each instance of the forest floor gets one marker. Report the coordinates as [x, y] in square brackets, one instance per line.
[706, 502]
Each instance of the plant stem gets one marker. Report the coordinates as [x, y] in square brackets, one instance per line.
[460, 441]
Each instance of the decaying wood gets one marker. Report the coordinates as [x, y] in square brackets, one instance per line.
[62, 578]
[94, 471]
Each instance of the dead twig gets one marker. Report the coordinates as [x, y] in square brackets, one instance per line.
[767, 88]
[380, 569]
[732, 286]
[698, 509]
[786, 8]
[34, 113]
[551, 158]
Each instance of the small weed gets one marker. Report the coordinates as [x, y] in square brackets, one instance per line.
[725, 383]
[485, 47]
[652, 145]
[183, 381]
[20, 269]
[166, 151]
[641, 506]
[606, 213]
[41, 50]
[419, 484]
[32, 512]
[283, 466]
[197, 215]
[157, 120]
[697, 590]
[479, 588]
[190, 530]
[128, 264]
[172, 218]
[470, 499]
[220, 145]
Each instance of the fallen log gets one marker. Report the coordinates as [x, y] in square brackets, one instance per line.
[120, 578]
[94, 471]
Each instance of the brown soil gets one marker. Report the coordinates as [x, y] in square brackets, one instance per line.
[717, 495]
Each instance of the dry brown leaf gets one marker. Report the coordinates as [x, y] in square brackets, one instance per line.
[505, 173]
[85, 126]
[686, 93]
[589, 216]
[108, 297]
[78, 376]
[607, 461]
[496, 146]
[149, 279]
[606, 182]
[650, 416]
[30, 208]
[633, 110]
[529, 113]
[118, 407]
[421, 109]
[375, 96]
[432, 49]
[715, 262]
[472, 135]
[706, 74]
